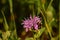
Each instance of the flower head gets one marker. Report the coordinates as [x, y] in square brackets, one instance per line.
[31, 22]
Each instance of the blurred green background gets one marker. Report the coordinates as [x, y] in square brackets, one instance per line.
[12, 12]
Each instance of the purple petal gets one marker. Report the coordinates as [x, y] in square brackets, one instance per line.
[25, 26]
[30, 17]
[35, 26]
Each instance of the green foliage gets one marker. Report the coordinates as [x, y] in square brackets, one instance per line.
[39, 33]
[1, 20]
[17, 10]
[29, 38]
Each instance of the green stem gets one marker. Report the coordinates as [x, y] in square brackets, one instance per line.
[11, 11]
[49, 4]
[5, 22]
[33, 12]
[46, 24]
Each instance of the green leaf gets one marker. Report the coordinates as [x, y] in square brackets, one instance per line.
[1, 20]
[29, 38]
[6, 27]
[0, 38]
[39, 33]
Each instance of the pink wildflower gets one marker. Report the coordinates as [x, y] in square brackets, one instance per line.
[31, 22]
